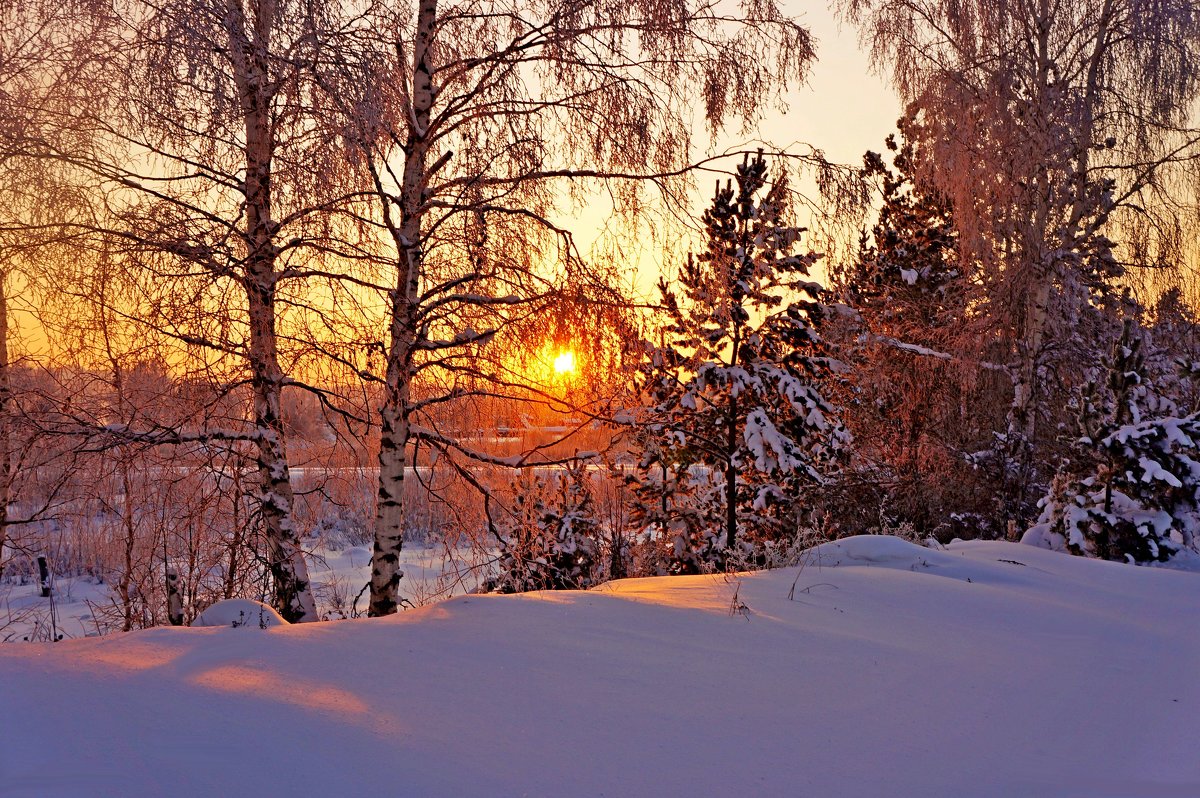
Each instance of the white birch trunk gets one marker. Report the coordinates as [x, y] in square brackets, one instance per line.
[394, 410]
[293, 593]
[1023, 413]
[1022, 421]
[174, 598]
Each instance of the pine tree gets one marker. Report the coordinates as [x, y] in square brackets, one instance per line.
[909, 275]
[1050, 126]
[736, 423]
[1173, 359]
[679, 507]
[1133, 490]
[933, 384]
[551, 540]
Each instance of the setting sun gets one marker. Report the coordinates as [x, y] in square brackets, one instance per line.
[565, 363]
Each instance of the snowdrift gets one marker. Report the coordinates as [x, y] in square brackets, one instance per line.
[239, 613]
[989, 669]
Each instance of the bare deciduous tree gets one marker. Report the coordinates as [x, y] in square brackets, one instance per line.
[201, 152]
[483, 119]
[1046, 125]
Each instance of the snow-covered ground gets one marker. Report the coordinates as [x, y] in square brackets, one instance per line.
[879, 669]
[25, 615]
[339, 575]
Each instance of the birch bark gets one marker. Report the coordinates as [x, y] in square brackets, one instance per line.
[250, 40]
[394, 411]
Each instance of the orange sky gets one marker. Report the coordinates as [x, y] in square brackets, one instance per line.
[844, 110]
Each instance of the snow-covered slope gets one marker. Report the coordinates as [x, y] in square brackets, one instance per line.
[990, 669]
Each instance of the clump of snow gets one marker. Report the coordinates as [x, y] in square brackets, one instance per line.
[240, 613]
[1042, 536]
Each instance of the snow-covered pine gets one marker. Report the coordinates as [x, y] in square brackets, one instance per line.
[909, 276]
[551, 539]
[731, 388]
[1133, 490]
[1173, 350]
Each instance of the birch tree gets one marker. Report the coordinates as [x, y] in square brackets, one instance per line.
[200, 150]
[1044, 124]
[480, 119]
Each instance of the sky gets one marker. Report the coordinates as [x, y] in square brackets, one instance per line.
[844, 110]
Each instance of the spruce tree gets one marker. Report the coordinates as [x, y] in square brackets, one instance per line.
[1173, 359]
[735, 422]
[677, 504]
[1133, 490]
[908, 277]
[908, 344]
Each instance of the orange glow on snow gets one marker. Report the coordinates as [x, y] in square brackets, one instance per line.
[129, 656]
[288, 689]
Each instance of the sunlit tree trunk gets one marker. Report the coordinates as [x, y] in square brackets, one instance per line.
[733, 438]
[394, 412]
[289, 572]
[129, 527]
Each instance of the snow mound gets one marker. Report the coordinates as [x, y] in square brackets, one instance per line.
[902, 672]
[240, 614]
[870, 550]
[974, 562]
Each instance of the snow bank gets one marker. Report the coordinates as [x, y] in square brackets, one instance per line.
[240, 613]
[988, 670]
[871, 550]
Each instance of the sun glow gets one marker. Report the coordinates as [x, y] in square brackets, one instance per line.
[565, 363]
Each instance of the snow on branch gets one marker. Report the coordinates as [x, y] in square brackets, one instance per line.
[463, 338]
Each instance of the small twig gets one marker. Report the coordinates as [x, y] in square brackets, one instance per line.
[738, 607]
[354, 604]
[818, 584]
